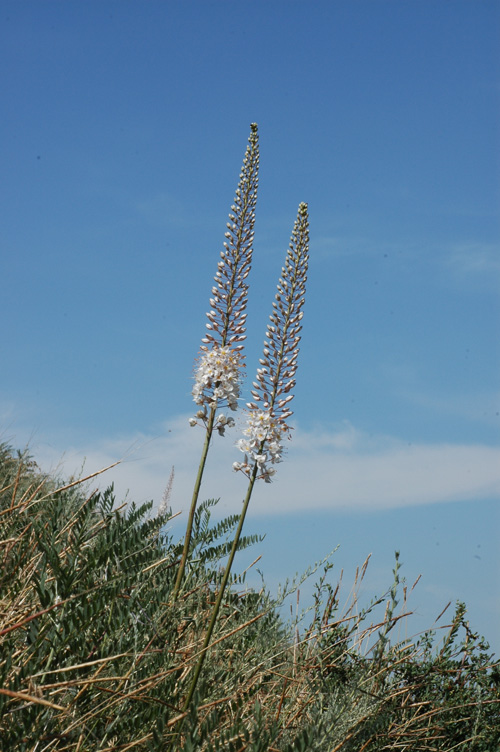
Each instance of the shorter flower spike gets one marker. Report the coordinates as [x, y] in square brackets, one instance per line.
[164, 506]
[267, 414]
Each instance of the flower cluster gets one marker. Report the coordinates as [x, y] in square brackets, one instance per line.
[217, 380]
[263, 443]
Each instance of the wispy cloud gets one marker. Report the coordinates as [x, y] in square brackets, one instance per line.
[340, 468]
[468, 260]
[477, 407]
[162, 210]
[465, 261]
[352, 245]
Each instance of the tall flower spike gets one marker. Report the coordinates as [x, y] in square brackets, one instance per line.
[218, 373]
[272, 391]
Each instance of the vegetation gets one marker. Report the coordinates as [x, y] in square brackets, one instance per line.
[116, 637]
[96, 655]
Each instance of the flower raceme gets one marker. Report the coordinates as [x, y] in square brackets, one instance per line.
[218, 375]
[267, 414]
[218, 372]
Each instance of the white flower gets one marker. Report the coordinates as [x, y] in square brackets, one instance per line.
[244, 445]
[217, 379]
[262, 443]
[270, 471]
[221, 423]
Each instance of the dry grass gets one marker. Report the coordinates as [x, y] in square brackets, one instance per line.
[95, 655]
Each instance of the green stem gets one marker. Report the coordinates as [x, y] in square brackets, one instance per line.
[194, 500]
[215, 612]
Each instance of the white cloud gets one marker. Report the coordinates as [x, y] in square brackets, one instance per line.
[339, 468]
[162, 210]
[480, 407]
[474, 265]
[475, 258]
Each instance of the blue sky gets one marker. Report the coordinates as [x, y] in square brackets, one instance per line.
[123, 130]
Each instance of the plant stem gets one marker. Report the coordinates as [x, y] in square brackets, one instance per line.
[194, 501]
[216, 608]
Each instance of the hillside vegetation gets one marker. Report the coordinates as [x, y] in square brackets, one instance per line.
[96, 654]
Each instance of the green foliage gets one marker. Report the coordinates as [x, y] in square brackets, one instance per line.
[96, 655]
[205, 537]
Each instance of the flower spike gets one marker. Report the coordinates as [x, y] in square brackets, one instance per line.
[268, 413]
[218, 374]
